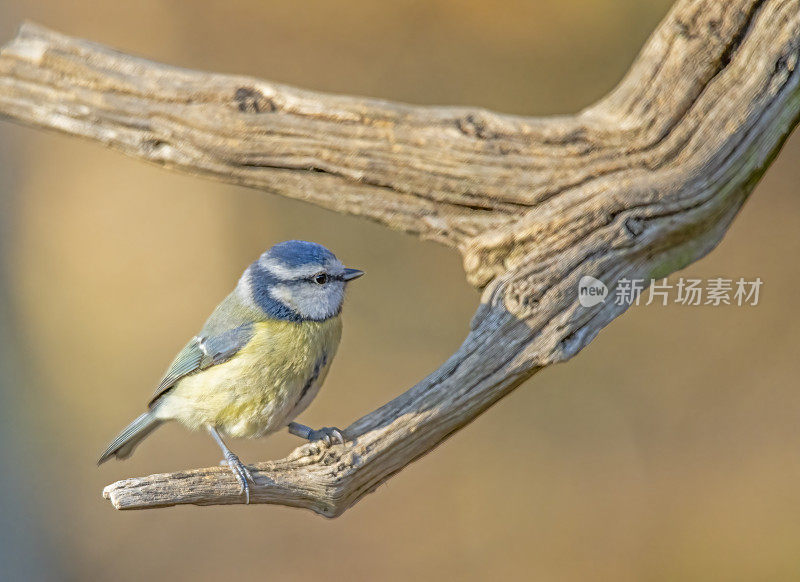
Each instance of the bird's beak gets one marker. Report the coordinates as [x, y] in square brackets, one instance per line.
[350, 274]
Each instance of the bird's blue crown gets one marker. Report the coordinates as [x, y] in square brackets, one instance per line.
[299, 253]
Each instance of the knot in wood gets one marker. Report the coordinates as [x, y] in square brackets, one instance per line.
[250, 100]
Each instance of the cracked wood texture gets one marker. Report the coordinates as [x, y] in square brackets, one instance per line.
[639, 185]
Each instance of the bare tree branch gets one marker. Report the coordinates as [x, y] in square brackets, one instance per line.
[639, 185]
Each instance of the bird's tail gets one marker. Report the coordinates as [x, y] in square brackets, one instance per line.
[123, 445]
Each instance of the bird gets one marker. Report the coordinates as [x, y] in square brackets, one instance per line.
[259, 360]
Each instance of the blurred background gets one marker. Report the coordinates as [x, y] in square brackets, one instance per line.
[668, 450]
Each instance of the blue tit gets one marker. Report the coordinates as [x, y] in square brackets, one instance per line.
[260, 358]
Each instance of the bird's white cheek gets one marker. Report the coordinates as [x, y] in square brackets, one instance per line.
[284, 294]
[310, 301]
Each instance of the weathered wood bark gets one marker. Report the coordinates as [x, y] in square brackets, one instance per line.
[639, 185]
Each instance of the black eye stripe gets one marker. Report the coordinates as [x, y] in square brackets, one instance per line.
[327, 275]
[310, 278]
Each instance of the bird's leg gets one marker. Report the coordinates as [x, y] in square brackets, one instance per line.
[240, 472]
[329, 434]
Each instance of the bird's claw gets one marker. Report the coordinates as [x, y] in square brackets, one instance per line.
[329, 435]
[241, 473]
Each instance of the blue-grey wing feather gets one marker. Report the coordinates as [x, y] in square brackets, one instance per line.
[221, 347]
[202, 352]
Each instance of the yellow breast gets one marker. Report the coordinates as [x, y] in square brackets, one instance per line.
[264, 386]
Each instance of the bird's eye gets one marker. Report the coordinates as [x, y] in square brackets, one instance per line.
[321, 279]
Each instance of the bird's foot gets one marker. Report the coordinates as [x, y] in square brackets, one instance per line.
[241, 473]
[329, 435]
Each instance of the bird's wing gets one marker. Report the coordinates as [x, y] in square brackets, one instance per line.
[204, 351]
